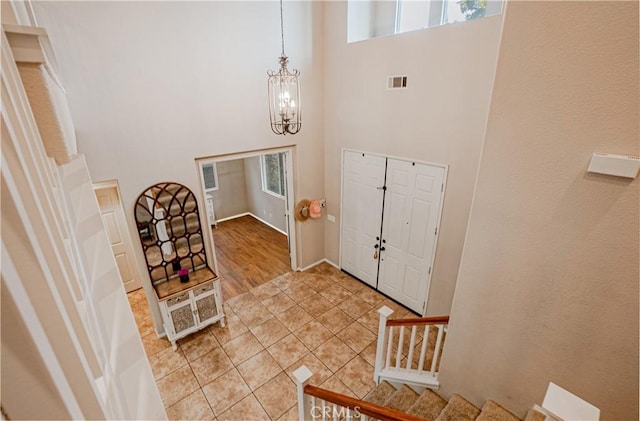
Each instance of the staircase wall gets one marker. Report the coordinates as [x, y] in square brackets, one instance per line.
[548, 285]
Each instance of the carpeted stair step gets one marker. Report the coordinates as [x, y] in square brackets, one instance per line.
[458, 409]
[380, 393]
[533, 415]
[492, 411]
[428, 405]
[402, 399]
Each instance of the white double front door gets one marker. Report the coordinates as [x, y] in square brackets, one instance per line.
[390, 215]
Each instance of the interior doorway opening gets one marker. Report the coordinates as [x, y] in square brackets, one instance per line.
[115, 223]
[249, 198]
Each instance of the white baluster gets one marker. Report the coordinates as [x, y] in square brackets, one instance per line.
[389, 346]
[302, 376]
[423, 349]
[400, 343]
[436, 351]
[412, 343]
[385, 312]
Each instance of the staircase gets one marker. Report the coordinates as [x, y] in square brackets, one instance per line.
[408, 356]
[385, 402]
[431, 406]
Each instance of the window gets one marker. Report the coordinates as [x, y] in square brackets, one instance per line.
[272, 168]
[373, 18]
[209, 176]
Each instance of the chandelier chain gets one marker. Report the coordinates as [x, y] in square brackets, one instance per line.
[281, 28]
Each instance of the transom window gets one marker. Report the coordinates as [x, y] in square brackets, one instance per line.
[374, 18]
[272, 168]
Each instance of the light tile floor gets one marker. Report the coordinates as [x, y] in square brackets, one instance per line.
[321, 318]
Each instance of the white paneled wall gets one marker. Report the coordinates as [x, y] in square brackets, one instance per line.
[79, 336]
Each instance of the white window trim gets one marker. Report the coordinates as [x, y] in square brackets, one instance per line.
[264, 178]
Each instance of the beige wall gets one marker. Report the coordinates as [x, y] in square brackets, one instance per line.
[269, 208]
[231, 197]
[548, 285]
[440, 118]
[154, 85]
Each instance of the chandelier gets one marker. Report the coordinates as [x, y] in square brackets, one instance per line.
[284, 94]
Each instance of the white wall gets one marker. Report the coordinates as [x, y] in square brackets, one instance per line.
[269, 208]
[548, 286]
[154, 85]
[440, 117]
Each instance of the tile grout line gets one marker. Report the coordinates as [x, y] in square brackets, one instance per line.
[291, 294]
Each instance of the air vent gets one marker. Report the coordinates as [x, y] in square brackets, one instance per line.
[397, 82]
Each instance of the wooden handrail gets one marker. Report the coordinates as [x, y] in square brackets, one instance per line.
[363, 407]
[419, 321]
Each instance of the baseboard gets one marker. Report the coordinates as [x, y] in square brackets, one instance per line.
[266, 223]
[317, 263]
[228, 218]
[332, 264]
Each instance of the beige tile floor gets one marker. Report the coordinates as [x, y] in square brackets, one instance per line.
[321, 318]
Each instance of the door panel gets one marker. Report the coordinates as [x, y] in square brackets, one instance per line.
[411, 215]
[116, 227]
[110, 224]
[363, 179]
[124, 267]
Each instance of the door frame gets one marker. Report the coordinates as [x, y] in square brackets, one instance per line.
[289, 152]
[113, 184]
[440, 209]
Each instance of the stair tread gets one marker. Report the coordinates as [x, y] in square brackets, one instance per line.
[428, 405]
[402, 399]
[458, 409]
[533, 415]
[492, 411]
[380, 393]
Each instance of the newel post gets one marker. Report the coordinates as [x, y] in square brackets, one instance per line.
[302, 376]
[385, 312]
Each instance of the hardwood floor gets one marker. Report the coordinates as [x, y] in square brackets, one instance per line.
[249, 253]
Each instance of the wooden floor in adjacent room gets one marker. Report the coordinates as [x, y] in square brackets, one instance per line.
[249, 253]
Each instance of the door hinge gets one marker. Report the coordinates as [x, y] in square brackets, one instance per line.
[436, 233]
[441, 188]
[429, 270]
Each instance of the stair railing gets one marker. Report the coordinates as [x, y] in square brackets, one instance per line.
[394, 364]
[315, 403]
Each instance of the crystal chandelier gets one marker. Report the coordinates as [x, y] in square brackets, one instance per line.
[284, 94]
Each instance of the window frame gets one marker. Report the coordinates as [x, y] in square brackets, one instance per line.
[215, 176]
[281, 173]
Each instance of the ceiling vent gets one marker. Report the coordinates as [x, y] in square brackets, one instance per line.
[397, 82]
